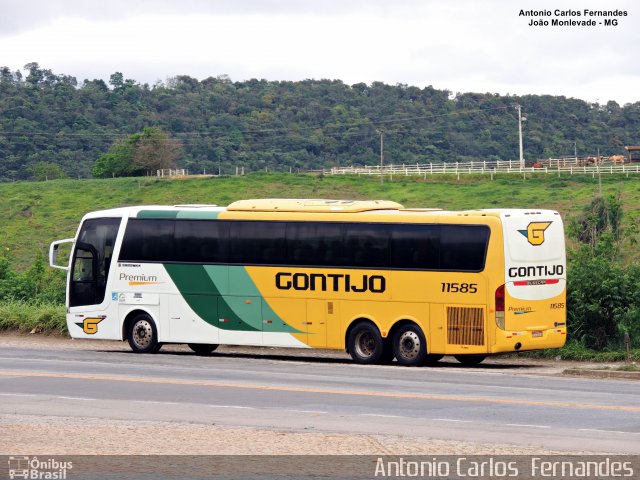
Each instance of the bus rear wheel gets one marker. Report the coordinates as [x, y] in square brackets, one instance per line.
[409, 345]
[365, 344]
[143, 334]
[470, 359]
[202, 348]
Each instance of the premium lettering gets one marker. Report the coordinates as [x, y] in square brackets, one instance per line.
[138, 278]
[333, 282]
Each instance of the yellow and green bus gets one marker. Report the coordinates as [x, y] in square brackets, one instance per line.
[373, 278]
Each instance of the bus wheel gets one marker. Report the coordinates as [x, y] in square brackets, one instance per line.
[470, 359]
[433, 358]
[365, 343]
[409, 345]
[143, 335]
[202, 348]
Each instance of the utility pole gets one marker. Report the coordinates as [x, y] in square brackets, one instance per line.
[599, 173]
[520, 135]
[381, 155]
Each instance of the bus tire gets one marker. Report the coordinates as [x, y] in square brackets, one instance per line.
[142, 334]
[409, 345]
[470, 359]
[365, 344]
[202, 348]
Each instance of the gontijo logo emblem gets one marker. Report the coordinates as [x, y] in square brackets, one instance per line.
[535, 232]
[90, 324]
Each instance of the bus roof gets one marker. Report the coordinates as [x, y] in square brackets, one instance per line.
[311, 205]
[299, 206]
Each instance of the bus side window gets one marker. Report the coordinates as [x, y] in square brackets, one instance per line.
[257, 242]
[415, 246]
[201, 241]
[463, 247]
[366, 245]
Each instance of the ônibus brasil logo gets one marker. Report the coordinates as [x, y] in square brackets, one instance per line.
[28, 468]
[535, 232]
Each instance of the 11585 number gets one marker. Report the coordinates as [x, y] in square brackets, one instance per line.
[459, 287]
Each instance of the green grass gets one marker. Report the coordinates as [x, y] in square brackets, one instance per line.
[25, 317]
[34, 214]
[630, 367]
[577, 351]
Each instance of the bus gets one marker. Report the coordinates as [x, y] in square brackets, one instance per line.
[378, 280]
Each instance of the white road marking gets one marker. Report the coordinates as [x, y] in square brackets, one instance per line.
[232, 406]
[74, 398]
[526, 425]
[20, 395]
[451, 420]
[607, 431]
[379, 415]
[308, 411]
[45, 395]
[157, 402]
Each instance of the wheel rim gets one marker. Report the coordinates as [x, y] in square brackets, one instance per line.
[409, 345]
[365, 344]
[142, 333]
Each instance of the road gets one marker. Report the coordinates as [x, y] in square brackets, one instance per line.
[501, 403]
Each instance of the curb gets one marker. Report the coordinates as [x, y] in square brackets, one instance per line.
[602, 373]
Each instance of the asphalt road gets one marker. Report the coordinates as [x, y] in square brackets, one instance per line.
[499, 403]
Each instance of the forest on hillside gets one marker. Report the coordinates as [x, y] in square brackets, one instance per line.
[53, 125]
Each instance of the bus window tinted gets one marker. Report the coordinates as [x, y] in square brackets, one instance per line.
[201, 241]
[416, 246]
[463, 247]
[366, 245]
[148, 241]
[363, 245]
[312, 243]
[257, 242]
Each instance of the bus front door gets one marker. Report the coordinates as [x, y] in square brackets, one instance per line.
[88, 280]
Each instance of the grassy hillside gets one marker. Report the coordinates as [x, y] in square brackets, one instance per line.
[34, 214]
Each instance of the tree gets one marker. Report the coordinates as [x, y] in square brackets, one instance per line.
[154, 150]
[43, 171]
[116, 80]
[115, 163]
[139, 154]
[316, 123]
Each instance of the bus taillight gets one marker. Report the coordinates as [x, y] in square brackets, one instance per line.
[500, 307]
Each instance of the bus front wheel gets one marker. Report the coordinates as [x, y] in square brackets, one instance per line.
[202, 348]
[470, 359]
[409, 345]
[143, 334]
[365, 344]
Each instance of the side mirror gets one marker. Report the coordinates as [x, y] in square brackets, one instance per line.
[53, 253]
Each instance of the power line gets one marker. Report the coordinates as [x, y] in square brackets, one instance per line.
[364, 123]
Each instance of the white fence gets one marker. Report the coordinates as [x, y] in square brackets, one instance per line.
[507, 166]
[171, 172]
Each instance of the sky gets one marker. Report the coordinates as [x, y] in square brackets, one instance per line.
[457, 45]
